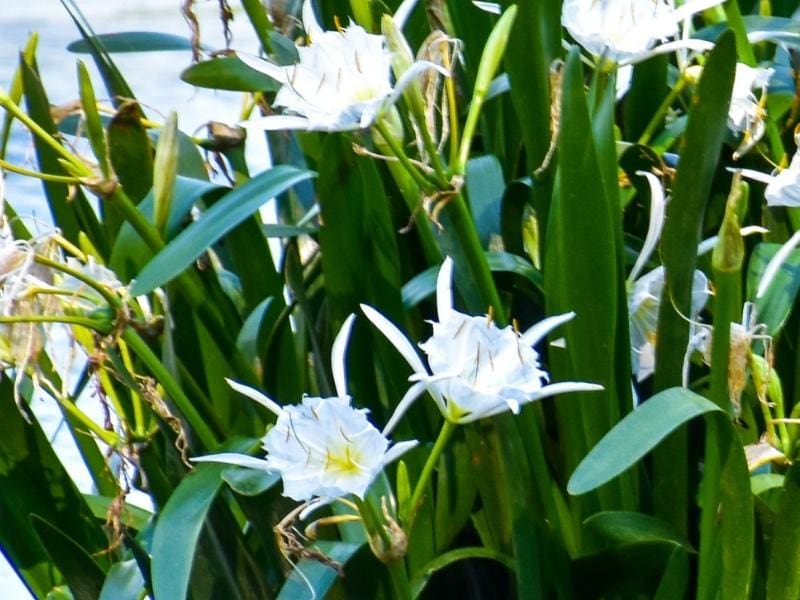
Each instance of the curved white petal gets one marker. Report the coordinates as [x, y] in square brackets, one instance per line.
[753, 174]
[412, 74]
[231, 458]
[253, 394]
[532, 336]
[775, 263]
[263, 66]
[493, 8]
[396, 338]
[397, 450]
[687, 9]
[688, 44]
[338, 352]
[405, 403]
[403, 12]
[310, 23]
[444, 290]
[657, 211]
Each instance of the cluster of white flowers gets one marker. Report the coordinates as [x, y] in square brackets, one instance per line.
[325, 448]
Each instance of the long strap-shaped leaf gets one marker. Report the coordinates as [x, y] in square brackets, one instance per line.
[700, 151]
[226, 214]
[645, 428]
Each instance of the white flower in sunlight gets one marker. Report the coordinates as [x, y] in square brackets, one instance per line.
[746, 113]
[477, 370]
[342, 82]
[323, 448]
[644, 293]
[627, 30]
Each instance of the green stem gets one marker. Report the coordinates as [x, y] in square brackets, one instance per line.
[448, 427]
[475, 257]
[425, 185]
[397, 568]
[37, 175]
[659, 115]
[63, 319]
[110, 297]
[171, 387]
[14, 110]
[735, 21]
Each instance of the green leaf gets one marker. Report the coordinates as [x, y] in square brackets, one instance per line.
[627, 571]
[448, 558]
[675, 580]
[637, 434]
[700, 150]
[783, 575]
[312, 579]
[131, 516]
[582, 275]
[612, 528]
[131, 154]
[83, 575]
[277, 230]
[178, 529]
[131, 41]
[250, 482]
[775, 306]
[130, 252]
[228, 73]
[485, 186]
[34, 481]
[118, 88]
[123, 582]
[227, 213]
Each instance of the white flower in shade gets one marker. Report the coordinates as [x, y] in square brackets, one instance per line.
[644, 301]
[627, 30]
[342, 82]
[746, 113]
[323, 448]
[477, 369]
[644, 293]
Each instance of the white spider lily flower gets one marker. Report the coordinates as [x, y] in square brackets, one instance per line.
[644, 301]
[746, 113]
[323, 447]
[644, 293]
[342, 82]
[475, 369]
[626, 31]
